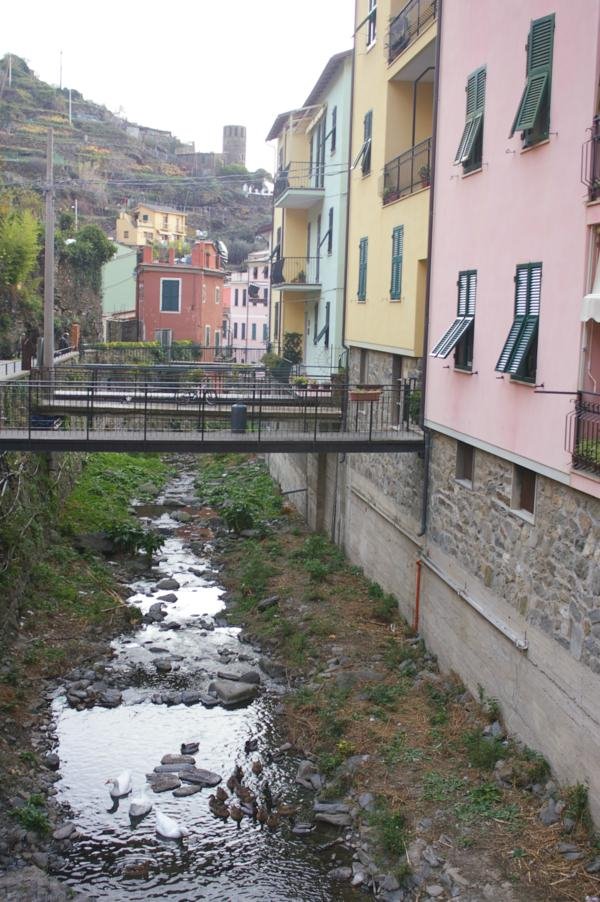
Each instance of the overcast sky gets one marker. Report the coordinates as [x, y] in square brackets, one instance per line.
[187, 67]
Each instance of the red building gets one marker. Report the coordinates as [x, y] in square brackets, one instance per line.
[182, 301]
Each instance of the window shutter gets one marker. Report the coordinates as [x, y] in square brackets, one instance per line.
[523, 332]
[539, 70]
[333, 132]
[474, 117]
[362, 269]
[367, 136]
[467, 285]
[397, 253]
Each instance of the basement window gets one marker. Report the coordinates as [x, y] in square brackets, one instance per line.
[523, 490]
[465, 464]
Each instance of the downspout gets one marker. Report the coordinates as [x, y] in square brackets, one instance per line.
[427, 455]
[347, 239]
[415, 624]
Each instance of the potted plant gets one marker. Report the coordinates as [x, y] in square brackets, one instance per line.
[301, 277]
[425, 176]
[390, 194]
[300, 382]
[364, 392]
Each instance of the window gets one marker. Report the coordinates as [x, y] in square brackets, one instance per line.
[235, 330]
[465, 460]
[204, 292]
[125, 234]
[523, 491]
[460, 333]
[372, 23]
[217, 295]
[217, 340]
[253, 334]
[333, 132]
[265, 296]
[533, 113]
[144, 217]
[243, 331]
[235, 297]
[244, 293]
[255, 272]
[397, 249]
[363, 250]
[519, 354]
[364, 154]
[207, 260]
[265, 332]
[276, 319]
[224, 327]
[471, 143]
[265, 272]
[165, 222]
[330, 232]
[164, 337]
[207, 336]
[169, 295]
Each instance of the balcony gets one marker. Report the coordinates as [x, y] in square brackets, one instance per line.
[590, 161]
[407, 173]
[410, 22]
[299, 186]
[583, 433]
[296, 274]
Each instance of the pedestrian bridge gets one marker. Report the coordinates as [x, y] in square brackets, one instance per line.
[74, 411]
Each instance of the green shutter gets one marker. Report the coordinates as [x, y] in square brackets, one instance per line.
[523, 332]
[536, 94]
[474, 117]
[362, 269]
[397, 252]
[169, 295]
[467, 286]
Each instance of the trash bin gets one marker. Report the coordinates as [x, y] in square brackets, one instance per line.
[239, 415]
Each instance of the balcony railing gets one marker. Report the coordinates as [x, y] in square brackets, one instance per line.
[407, 173]
[299, 176]
[583, 433]
[410, 22]
[590, 161]
[296, 271]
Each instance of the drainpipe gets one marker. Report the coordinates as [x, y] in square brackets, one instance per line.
[414, 116]
[345, 292]
[415, 624]
[425, 494]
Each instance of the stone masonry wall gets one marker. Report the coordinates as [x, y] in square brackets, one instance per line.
[548, 570]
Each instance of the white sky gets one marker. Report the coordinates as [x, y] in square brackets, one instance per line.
[189, 67]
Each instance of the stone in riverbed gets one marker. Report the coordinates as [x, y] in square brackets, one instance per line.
[340, 874]
[63, 832]
[272, 668]
[248, 676]
[168, 598]
[200, 777]
[155, 613]
[178, 759]
[190, 697]
[163, 782]
[189, 790]
[230, 693]
[209, 701]
[167, 583]
[163, 666]
[172, 768]
[110, 698]
[337, 820]
[52, 761]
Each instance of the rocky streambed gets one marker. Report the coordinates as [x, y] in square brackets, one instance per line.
[183, 681]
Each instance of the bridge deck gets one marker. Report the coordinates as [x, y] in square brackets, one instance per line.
[213, 440]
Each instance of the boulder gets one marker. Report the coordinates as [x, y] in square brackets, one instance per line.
[167, 583]
[177, 759]
[163, 782]
[233, 693]
[168, 598]
[200, 777]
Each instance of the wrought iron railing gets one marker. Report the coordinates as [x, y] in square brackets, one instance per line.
[583, 433]
[304, 176]
[590, 161]
[410, 22]
[408, 172]
[296, 271]
[129, 410]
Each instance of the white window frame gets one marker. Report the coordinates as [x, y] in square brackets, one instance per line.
[170, 279]
[372, 23]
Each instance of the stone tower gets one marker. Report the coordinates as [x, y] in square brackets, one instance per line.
[234, 144]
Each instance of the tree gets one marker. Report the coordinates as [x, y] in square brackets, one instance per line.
[90, 249]
[19, 247]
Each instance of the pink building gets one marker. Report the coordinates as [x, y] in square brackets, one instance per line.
[249, 308]
[182, 300]
[514, 515]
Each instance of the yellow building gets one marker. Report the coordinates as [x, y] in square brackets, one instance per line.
[149, 224]
[392, 121]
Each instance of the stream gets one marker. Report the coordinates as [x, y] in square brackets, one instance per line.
[158, 668]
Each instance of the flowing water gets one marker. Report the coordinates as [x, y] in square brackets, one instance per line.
[114, 859]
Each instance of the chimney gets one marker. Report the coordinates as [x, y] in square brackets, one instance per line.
[147, 255]
[198, 254]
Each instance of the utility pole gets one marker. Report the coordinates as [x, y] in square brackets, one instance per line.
[48, 354]
[70, 109]
[60, 72]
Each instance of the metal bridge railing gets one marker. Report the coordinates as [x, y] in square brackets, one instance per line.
[136, 410]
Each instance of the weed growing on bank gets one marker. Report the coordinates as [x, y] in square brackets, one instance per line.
[240, 488]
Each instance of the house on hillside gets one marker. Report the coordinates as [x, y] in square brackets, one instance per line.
[150, 224]
[118, 295]
[182, 300]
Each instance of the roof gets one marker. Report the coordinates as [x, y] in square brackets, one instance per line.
[158, 209]
[326, 77]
